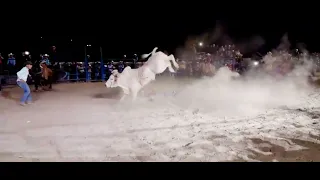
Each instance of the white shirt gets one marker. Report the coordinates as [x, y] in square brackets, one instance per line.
[23, 74]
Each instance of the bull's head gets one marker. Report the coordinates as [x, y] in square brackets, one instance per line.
[112, 81]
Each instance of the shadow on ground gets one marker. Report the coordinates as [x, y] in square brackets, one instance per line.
[15, 96]
[111, 94]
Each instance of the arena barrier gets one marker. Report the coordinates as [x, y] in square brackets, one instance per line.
[8, 80]
[78, 76]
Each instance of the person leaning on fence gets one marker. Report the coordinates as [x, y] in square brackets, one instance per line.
[23, 75]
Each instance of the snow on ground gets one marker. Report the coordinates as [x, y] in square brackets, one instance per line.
[184, 120]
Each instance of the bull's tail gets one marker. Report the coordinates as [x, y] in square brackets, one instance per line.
[144, 56]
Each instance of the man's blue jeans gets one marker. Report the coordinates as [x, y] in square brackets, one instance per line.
[26, 92]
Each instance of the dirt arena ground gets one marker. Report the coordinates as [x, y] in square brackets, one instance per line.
[86, 122]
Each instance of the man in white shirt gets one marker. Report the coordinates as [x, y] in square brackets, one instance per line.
[23, 75]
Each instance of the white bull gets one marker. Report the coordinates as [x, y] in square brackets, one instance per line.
[131, 81]
[159, 62]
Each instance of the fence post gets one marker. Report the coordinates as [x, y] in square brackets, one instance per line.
[86, 64]
[77, 74]
[103, 76]
[89, 75]
[68, 76]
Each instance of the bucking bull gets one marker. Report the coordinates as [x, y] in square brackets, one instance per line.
[131, 81]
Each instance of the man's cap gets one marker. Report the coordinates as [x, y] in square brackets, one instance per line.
[28, 63]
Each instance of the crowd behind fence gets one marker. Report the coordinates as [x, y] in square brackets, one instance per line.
[197, 65]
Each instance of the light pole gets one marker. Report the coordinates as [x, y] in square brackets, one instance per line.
[86, 62]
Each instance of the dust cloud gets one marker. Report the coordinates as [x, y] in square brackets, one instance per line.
[228, 94]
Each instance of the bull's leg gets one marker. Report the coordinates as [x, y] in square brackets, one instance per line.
[125, 94]
[146, 76]
[134, 92]
[171, 58]
[123, 97]
[170, 67]
[134, 95]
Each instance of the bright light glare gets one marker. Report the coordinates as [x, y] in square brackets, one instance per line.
[26, 53]
[256, 63]
[200, 43]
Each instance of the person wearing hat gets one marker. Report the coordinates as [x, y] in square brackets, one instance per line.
[121, 66]
[11, 63]
[46, 59]
[23, 75]
[36, 74]
[11, 60]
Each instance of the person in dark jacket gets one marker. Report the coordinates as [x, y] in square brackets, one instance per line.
[36, 75]
[121, 66]
[11, 64]
[110, 68]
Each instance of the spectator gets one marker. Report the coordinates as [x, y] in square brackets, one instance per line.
[110, 68]
[46, 58]
[36, 75]
[121, 66]
[11, 63]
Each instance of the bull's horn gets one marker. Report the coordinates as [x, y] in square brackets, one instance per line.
[115, 72]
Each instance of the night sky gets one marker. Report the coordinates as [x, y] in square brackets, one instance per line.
[129, 38]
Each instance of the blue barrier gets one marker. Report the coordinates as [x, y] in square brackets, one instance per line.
[87, 77]
[8, 80]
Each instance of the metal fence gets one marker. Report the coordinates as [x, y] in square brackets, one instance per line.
[81, 72]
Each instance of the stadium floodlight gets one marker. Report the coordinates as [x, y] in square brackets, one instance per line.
[26, 53]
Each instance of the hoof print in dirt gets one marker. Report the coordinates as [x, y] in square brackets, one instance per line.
[196, 111]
